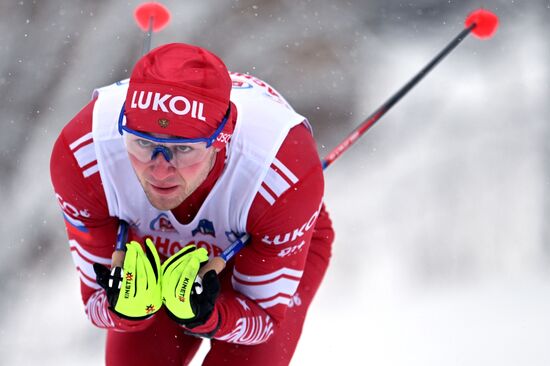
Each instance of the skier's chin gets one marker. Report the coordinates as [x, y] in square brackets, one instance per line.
[165, 198]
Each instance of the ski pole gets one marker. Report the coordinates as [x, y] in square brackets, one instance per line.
[117, 260]
[150, 17]
[482, 23]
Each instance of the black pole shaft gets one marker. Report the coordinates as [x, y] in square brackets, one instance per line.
[420, 75]
[376, 115]
[147, 40]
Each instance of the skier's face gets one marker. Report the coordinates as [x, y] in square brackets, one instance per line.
[167, 186]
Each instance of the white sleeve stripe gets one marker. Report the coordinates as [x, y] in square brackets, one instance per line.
[87, 255]
[85, 275]
[285, 170]
[87, 282]
[282, 286]
[85, 155]
[81, 140]
[266, 195]
[266, 282]
[282, 300]
[250, 331]
[276, 182]
[96, 308]
[91, 170]
[82, 265]
[269, 276]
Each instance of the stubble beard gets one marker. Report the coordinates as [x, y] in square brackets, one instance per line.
[184, 190]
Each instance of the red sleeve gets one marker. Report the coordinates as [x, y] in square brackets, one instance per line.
[281, 223]
[91, 231]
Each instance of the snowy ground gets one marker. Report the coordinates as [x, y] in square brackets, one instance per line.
[499, 321]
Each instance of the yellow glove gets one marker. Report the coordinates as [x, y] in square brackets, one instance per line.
[139, 293]
[187, 301]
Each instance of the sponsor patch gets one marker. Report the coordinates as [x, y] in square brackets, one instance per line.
[293, 235]
[177, 104]
[167, 247]
[291, 250]
[205, 227]
[161, 223]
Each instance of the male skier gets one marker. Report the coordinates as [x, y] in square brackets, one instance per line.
[192, 157]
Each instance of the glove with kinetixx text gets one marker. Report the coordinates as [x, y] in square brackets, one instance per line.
[189, 299]
[133, 291]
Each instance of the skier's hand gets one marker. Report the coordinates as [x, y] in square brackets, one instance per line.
[133, 291]
[189, 300]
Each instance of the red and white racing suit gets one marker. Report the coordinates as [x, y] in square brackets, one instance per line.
[267, 182]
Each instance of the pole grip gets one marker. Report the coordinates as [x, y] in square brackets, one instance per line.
[117, 259]
[218, 263]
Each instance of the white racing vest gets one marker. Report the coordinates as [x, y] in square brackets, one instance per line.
[263, 122]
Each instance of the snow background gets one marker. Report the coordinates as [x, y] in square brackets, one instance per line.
[440, 211]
